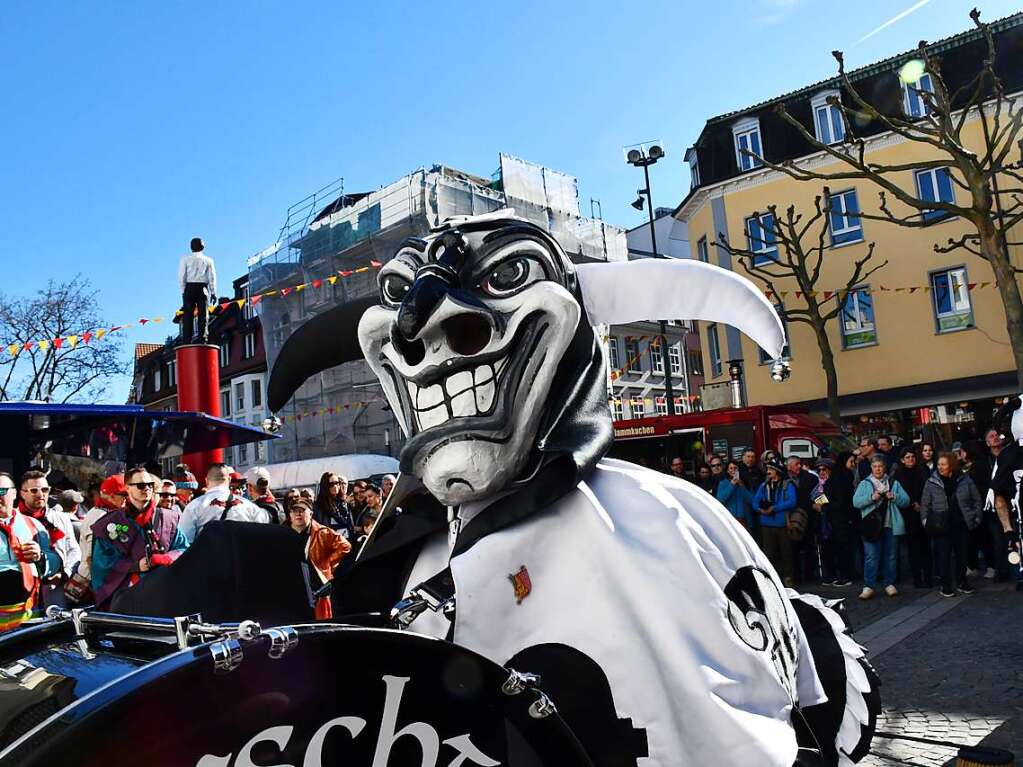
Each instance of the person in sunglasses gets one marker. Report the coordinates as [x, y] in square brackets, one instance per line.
[130, 542]
[331, 509]
[26, 558]
[167, 496]
[35, 502]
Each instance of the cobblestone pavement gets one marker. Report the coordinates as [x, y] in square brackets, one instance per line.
[959, 679]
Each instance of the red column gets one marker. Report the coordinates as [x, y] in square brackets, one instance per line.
[198, 373]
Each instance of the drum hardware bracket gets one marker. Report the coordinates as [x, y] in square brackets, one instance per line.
[518, 681]
[542, 707]
[436, 594]
[227, 655]
[282, 641]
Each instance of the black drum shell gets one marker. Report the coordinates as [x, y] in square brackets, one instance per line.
[179, 710]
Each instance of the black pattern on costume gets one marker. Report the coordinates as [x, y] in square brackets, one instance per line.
[757, 612]
[581, 691]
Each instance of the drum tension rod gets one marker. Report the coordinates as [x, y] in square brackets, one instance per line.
[518, 682]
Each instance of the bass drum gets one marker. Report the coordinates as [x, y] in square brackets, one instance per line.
[339, 695]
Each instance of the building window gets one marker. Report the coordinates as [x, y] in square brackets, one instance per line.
[248, 310]
[617, 414]
[935, 184]
[656, 360]
[661, 403]
[158, 377]
[703, 250]
[239, 394]
[694, 167]
[612, 353]
[761, 238]
[225, 352]
[243, 454]
[858, 319]
[632, 355]
[764, 357]
[637, 407]
[675, 359]
[827, 119]
[843, 217]
[257, 393]
[695, 363]
[172, 373]
[912, 101]
[250, 345]
[747, 139]
[714, 349]
[258, 448]
[952, 310]
[225, 404]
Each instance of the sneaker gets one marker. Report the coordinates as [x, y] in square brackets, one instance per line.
[891, 591]
[965, 588]
[867, 593]
[947, 593]
[990, 574]
[842, 582]
[971, 573]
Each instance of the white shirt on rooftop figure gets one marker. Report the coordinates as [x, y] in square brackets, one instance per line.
[197, 278]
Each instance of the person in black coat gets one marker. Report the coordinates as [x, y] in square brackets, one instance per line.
[912, 477]
[330, 509]
[836, 509]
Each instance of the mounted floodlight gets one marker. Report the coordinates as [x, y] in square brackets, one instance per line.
[638, 203]
[634, 156]
[655, 152]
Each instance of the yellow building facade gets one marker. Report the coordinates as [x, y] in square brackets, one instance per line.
[922, 340]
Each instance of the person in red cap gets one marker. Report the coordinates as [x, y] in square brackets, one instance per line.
[113, 494]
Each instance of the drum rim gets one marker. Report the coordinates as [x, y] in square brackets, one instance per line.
[181, 658]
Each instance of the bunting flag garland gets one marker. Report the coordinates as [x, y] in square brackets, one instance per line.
[86, 336]
[332, 410]
[95, 334]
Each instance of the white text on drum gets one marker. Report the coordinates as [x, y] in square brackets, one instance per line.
[429, 740]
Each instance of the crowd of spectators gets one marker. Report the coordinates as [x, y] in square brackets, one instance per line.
[878, 515]
[68, 548]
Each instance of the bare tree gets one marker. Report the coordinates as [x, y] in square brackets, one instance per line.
[801, 242]
[991, 177]
[58, 369]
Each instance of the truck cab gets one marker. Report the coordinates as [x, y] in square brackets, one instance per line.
[789, 431]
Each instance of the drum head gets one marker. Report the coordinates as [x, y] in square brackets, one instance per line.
[343, 695]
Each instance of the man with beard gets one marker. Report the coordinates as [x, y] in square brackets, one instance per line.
[35, 497]
[26, 558]
[129, 542]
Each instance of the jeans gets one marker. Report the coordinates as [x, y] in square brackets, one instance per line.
[880, 555]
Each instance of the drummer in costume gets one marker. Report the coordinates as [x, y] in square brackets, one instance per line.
[324, 549]
[26, 557]
[659, 629]
[129, 542]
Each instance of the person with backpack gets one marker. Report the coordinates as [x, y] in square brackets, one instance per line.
[772, 501]
[258, 481]
[218, 503]
[950, 506]
[879, 499]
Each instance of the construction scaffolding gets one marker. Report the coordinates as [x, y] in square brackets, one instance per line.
[333, 232]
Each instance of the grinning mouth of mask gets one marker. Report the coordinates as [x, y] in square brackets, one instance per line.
[469, 400]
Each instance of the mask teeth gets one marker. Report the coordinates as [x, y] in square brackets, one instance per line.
[464, 394]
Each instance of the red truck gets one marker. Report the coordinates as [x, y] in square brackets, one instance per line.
[789, 431]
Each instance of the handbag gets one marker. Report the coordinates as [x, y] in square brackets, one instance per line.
[872, 525]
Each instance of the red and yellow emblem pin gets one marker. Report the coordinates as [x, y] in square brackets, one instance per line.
[521, 583]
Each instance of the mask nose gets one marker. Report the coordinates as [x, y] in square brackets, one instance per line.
[435, 318]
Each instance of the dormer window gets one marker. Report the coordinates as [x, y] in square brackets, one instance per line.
[694, 167]
[912, 101]
[827, 118]
[747, 140]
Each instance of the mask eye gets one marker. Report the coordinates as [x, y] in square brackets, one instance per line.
[511, 276]
[393, 288]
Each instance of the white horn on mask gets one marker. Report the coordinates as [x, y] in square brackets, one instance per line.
[654, 289]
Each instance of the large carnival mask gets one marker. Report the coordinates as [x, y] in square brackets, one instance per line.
[482, 338]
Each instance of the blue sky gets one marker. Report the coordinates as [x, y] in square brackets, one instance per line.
[130, 128]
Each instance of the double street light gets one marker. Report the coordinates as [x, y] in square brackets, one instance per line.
[643, 156]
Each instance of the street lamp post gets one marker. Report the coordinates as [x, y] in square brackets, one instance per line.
[643, 157]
